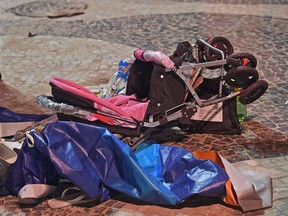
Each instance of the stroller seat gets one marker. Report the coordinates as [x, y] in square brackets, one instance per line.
[119, 112]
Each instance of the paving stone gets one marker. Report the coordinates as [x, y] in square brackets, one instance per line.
[43, 8]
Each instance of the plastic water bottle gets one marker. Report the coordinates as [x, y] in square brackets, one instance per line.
[118, 82]
[241, 110]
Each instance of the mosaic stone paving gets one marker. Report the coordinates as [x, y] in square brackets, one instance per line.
[265, 133]
[42, 8]
[270, 49]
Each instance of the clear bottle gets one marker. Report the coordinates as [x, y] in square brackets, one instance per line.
[118, 82]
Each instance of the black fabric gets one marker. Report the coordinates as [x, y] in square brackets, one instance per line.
[139, 79]
[63, 96]
[230, 124]
[167, 90]
[164, 90]
[185, 51]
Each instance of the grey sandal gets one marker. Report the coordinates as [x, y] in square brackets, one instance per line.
[66, 199]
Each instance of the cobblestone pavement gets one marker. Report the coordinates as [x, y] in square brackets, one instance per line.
[86, 49]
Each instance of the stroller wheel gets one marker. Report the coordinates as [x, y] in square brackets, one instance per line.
[201, 48]
[246, 59]
[201, 56]
[253, 92]
[241, 77]
[221, 43]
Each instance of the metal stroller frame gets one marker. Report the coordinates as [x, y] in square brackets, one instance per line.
[186, 76]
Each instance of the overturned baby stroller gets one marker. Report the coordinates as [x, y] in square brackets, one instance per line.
[161, 89]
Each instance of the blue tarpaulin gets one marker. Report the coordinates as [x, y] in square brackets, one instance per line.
[97, 162]
[7, 115]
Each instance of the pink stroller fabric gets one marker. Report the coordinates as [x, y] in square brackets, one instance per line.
[124, 106]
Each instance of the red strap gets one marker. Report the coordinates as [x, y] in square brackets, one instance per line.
[245, 61]
[104, 119]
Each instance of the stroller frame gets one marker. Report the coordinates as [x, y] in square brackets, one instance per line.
[186, 76]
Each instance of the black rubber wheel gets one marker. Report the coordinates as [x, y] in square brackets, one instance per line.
[241, 77]
[253, 92]
[221, 43]
[252, 61]
[201, 56]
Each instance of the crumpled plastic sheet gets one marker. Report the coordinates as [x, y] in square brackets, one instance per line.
[96, 161]
[7, 115]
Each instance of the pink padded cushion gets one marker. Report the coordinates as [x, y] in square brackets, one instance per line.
[122, 105]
